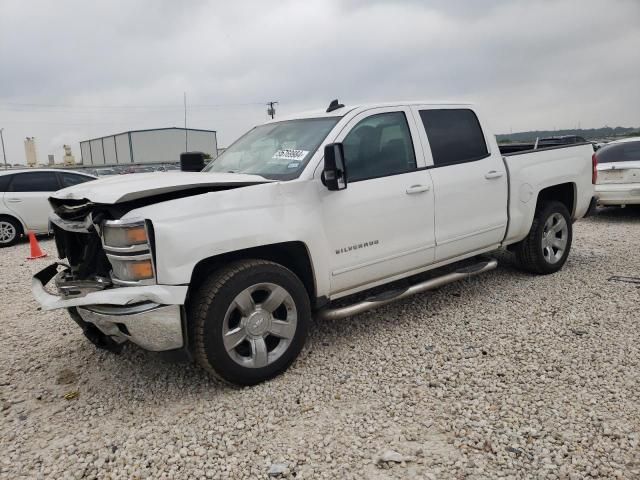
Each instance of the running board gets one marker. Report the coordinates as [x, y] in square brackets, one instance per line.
[393, 295]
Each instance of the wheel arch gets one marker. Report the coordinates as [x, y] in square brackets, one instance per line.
[293, 255]
[565, 193]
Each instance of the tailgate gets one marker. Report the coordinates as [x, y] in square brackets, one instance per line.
[619, 172]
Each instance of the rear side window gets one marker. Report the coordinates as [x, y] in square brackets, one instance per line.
[619, 152]
[35, 182]
[454, 135]
[4, 182]
[71, 179]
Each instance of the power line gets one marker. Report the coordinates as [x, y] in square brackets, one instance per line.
[11, 105]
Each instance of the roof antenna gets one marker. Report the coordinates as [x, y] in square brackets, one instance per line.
[334, 105]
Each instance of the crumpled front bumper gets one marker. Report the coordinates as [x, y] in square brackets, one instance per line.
[149, 315]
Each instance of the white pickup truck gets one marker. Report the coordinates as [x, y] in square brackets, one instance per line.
[229, 264]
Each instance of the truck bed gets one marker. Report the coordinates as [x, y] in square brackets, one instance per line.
[530, 171]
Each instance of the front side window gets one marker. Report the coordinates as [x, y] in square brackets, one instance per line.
[35, 182]
[277, 151]
[619, 152]
[378, 146]
[455, 136]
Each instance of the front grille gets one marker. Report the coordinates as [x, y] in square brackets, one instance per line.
[83, 252]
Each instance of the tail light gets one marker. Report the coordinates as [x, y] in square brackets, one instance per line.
[594, 171]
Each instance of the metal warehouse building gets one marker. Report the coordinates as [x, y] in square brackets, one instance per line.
[161, 145]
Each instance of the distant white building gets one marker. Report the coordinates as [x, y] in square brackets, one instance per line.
[161, 145]
[30, 151]
[68, 159]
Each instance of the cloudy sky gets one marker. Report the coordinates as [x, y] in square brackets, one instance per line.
[72, 70]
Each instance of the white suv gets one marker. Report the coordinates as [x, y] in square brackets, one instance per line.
[24, 201]
[619, 172]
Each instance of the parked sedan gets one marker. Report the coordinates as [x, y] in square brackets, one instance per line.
[618, 180]
[24, 201]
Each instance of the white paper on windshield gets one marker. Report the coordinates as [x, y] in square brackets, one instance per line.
[290, 154]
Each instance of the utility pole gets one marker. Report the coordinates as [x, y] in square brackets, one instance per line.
[271, 111]
[186, 141]
[4, 155]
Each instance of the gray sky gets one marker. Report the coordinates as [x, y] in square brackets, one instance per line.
[72, 70]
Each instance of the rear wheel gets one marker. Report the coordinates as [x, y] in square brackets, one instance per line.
[546, 248]
[10, 231]
[250, 321]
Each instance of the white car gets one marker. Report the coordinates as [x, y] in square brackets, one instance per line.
[24, 201]
[619, 172]
[229, 264]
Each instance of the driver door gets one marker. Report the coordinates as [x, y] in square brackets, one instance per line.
[382, 224]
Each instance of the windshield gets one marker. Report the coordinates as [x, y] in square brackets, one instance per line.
[277, 151]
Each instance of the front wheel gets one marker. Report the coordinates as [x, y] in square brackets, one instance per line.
[250, 321]
[546, 247]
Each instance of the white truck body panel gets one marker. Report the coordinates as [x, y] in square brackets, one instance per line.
[124, 188]
[375, 231]
[531, 172]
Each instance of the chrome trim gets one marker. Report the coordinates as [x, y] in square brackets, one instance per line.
[153, 327]
[71, 226]
[388, 297]
[144, 256]
[131, 222]
[79, 288]
[133, 283]
[138, 247]
[123, 309]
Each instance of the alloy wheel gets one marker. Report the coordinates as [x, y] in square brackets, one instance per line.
[7, 232]
[259, 325]
[554, 238]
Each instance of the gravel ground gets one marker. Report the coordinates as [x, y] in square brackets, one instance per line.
[504, 375]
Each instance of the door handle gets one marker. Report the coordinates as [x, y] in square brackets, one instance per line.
[492, 174]
[418, 189]
[14, 200]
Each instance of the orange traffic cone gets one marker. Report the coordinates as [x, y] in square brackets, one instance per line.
[36, 251]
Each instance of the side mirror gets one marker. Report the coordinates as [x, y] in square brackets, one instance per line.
[334, 175]
[191, 161]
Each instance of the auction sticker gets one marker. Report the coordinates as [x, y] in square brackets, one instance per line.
[290, 154]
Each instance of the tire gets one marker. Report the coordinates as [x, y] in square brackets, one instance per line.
[547, 246]
[10, 231]
[249, 321]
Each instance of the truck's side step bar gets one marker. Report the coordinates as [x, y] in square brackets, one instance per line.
[392, 296]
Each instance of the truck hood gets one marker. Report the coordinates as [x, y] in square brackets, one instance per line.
[126, 188]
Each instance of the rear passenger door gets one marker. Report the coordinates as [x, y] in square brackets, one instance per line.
[469, 178]
[27, 196]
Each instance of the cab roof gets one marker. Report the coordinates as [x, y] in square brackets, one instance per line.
[340, 112]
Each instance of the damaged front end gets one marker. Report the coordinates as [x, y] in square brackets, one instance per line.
[108, 282]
